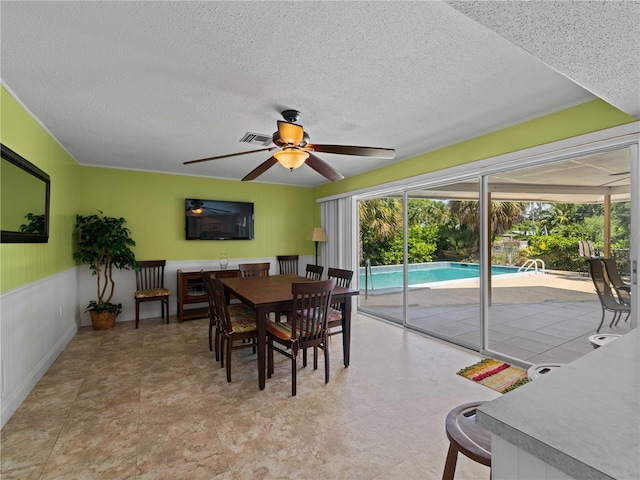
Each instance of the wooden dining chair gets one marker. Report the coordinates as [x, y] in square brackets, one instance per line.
[214, 322]
[254, 269]
[306, 329]
[150, 286]
[314, 272]
[236, 324]
[288, 264]
[334, 315]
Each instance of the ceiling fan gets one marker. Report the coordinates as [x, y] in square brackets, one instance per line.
[296, 150]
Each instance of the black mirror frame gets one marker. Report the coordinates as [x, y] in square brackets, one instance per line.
[31, 169]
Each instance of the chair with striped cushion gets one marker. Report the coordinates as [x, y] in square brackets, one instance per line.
[150, 286]
[236, 324]
[334, 315]
[306, 329]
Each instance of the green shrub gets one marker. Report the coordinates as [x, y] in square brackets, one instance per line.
[557, 252]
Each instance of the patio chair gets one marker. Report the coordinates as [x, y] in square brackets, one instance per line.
[623, 290]
[586, 249]
[605, 295]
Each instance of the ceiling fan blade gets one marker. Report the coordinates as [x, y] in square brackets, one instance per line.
[353, 150]
[290, 132]
[229, 155]
[260, 169]
[323, 168]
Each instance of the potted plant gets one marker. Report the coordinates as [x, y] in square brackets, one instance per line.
[104, 243]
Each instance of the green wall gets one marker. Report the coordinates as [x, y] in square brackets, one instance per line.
[25, 263]
[153, 205]
[585, 118]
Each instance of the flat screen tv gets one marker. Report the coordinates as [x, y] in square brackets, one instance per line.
[218, 220]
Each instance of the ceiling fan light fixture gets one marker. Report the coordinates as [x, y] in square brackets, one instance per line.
[291, 158]
[290, 133]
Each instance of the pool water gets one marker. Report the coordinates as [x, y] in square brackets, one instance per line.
[391, 276]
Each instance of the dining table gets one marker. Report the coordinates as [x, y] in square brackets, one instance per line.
[273, 294]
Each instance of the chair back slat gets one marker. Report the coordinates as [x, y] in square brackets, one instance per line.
[150, 274]
[254, 269]
[314, 272]
[288, 264]
[311, 302]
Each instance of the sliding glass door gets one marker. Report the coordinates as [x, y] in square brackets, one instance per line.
[491, 260]
[546, 310]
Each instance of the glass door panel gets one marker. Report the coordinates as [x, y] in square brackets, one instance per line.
[381, 257]
[443, 262]
[545, 309]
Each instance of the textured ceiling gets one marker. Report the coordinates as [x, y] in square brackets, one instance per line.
[149, 85]
[595, 44]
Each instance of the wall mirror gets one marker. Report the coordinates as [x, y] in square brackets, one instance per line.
[24, 195]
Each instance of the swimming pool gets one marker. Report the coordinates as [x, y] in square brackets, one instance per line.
[390, 276]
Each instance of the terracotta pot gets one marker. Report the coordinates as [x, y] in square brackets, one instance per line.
[103, 320]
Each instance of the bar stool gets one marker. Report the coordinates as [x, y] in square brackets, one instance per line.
[536, 371]
[467, 437]
[601, 339]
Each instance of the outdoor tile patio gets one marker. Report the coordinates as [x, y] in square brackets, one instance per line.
[533, 318]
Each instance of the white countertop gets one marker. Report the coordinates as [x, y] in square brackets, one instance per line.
[583, 418]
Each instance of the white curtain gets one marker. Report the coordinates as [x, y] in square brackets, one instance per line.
[340, 222]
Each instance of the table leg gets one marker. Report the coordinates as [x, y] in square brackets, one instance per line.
[346, 330]
[261, 321]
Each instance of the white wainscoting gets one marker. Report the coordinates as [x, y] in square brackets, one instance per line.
[38, 320]
[126, 284]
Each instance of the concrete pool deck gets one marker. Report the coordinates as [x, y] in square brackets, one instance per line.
[533, 317]
[509, 289]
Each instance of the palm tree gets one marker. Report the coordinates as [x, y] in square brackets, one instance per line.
[503, 215]
[380, 223]
[381, 217]
[423, 211]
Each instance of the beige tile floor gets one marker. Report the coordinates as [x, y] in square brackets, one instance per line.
[153, 404]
